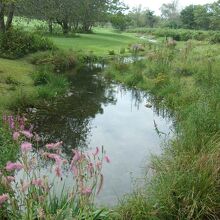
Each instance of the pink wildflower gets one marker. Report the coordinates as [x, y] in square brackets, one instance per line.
[16, 135]
[58, 160]
[107, 159]
[11, 122]
[21, 123]
[76, 156]
[13, 166]
[53, 156]
[87, 191]
[74, 170]
[99, 165]
[58, 144]
[3, 198]
[58, 171]
[37, 137]
[90, 168]
[31, 128]
[25, 186]
[25, 147]
[10, 179]
[38, 182]
[96, 152]
[27, 134]
[54, 146]
[4, 117]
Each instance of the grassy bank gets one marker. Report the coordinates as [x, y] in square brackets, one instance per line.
[185, 81]
[22, 84]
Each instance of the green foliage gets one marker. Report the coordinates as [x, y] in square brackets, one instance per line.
[111, 52]
[15, 43]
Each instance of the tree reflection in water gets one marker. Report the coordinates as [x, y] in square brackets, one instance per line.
[69, 118]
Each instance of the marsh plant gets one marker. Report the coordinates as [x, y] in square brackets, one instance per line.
[30, 193]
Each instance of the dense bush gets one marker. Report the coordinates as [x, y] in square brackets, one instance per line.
[16, 43]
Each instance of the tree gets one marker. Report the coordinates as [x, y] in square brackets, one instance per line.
[142, 17]
[215, 15]
[76, 14]
[170, 13]
[151, 19]
[187, 17]
[120, 21]
[7, 9]
[202, 17]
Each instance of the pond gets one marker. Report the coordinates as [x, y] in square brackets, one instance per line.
[98, 113]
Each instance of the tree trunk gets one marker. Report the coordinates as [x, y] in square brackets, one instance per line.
[65, 27]
[2, 20]
[50, 26]
[10, 16]
[76, 26]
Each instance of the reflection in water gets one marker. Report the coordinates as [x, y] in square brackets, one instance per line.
[97, 113]
[69, 118]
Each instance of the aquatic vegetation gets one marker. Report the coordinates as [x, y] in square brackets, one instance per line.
[30, 193]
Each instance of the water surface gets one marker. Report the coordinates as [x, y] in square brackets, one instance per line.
[97, 113]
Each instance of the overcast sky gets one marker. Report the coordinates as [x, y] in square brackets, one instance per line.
[155, 4]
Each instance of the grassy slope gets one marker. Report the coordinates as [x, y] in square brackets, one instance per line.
[14, 79]
[100, 42]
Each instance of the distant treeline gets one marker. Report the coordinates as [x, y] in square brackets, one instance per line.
[82, 15]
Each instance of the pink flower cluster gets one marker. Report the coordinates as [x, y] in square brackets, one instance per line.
[84, 167]
[3, 198]
[17, 125]
[13, 166]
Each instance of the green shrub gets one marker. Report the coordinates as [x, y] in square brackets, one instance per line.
[111, 52]
[49, 85]
[15, 43]
[41, 78]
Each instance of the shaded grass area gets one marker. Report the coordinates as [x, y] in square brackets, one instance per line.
[23, 85]
[15, 79]
[185, 82]
[99, 43]
[18, 88]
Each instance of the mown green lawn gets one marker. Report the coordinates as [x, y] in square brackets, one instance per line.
[100, 42]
